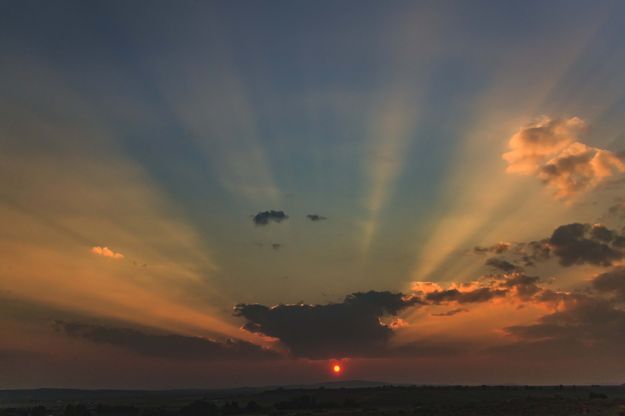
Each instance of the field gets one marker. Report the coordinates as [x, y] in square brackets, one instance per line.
[323, 400]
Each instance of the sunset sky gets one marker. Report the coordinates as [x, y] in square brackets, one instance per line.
[227, 193]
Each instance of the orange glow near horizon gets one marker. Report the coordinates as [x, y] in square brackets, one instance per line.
[337, 369]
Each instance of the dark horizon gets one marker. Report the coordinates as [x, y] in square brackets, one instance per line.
[377, 400]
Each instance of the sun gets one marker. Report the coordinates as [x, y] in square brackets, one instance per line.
[337, 369]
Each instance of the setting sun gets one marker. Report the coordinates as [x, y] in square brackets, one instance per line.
[337, 369]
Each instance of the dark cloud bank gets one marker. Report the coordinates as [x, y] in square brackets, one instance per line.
[349, 328]
[169, 346]
[363, 323]
[585, 322]
[356, 326]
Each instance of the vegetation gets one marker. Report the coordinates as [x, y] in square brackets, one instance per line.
[386, 400]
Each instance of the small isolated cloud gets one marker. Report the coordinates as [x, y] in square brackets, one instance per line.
[315, 217]
[451, 312]
[170, 346]
[275, 246]
[549, 149]
[106, 252]
[264, 217]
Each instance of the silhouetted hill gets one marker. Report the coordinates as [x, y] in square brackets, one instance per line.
[51, 394]
[347, 384]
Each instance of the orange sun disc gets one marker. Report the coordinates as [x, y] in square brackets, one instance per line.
[336, 368]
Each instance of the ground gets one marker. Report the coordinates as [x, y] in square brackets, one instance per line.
[381, 400]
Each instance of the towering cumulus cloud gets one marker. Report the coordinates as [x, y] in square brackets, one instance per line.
[550, 150]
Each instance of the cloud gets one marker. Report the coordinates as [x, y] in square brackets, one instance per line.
[481, 294]
[532, 252]
[275, 246]
[526, 252]
[106, 252]
[618, 209]
[358, 326]
[497, 248]
[351, 328]
[524, 286]
[503, 265]
[572, 244]
[584, 243]
[515, 285]
[612, 282]
[264, 217]
[315, 217]
[170, 346]
[451, 312]
[549, 149]
[586, 319]
[590, 319]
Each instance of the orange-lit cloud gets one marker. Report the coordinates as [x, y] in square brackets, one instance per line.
[106, 252]
[550, 150]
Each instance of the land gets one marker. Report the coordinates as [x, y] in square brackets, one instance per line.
[331, 399]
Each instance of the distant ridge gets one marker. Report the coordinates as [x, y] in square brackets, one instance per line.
[346, 384]
[49, 394]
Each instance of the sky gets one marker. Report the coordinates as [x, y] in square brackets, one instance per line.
[212, 194]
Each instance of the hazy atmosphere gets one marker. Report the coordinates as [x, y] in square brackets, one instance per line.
[210, 194]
